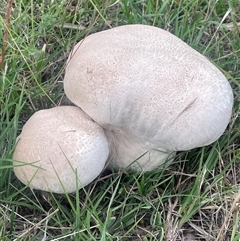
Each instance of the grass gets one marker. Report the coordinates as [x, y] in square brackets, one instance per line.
[196, 198]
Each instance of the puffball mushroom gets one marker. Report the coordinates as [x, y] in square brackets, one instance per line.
[152, 93]
[145, 93]
[59, 150]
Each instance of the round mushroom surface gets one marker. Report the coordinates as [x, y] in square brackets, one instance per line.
[149, 90]
[60, 150]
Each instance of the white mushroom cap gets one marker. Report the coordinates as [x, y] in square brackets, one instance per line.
[59, 150]
[148, 90]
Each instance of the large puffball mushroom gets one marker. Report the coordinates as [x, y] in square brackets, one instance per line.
[59, 150]
[150, 91]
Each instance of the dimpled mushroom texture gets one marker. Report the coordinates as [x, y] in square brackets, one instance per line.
[59, 150]
[152, 93]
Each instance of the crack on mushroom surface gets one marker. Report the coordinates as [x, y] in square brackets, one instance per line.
[188, 106]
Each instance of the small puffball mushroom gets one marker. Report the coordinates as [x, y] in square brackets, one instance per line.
[150, 91]
[59, 150]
